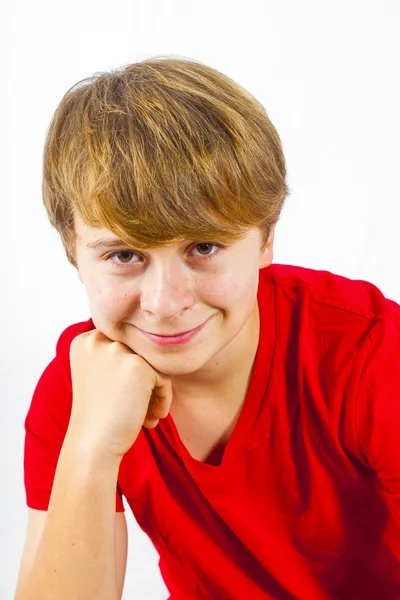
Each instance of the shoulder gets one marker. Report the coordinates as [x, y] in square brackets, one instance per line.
[54, 389]
[332, 292]
[333, 316]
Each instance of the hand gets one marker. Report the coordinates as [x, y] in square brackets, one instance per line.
[115, 393]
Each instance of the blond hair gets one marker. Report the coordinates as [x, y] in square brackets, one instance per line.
[162, 150]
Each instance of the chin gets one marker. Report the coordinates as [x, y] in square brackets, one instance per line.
[173, 367]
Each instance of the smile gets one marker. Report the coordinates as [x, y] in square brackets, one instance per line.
[174, 339]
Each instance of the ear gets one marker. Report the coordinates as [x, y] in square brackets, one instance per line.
[267, 251]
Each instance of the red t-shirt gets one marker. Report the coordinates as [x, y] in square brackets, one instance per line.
[306, 501]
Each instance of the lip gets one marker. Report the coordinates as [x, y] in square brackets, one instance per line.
[175, 339]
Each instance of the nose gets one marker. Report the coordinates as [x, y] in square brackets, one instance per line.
[166, 291]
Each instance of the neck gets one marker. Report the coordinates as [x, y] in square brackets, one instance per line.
[225, 378]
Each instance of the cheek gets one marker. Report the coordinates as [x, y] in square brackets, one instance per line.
[235, 285]
[107, 302]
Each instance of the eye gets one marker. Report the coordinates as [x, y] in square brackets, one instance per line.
[205, 249]
[123, 257]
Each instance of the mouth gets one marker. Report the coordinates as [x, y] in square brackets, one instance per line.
[173, 339]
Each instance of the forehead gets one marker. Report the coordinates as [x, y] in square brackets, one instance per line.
[85, 231]
[99, 238]
[95, 238]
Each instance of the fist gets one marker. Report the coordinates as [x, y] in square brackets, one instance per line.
[115, 393]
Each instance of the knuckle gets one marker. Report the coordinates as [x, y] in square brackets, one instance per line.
[80, 341]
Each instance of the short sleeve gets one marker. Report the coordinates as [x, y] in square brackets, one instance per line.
[378, 406]
[377, 425]
[45, 427]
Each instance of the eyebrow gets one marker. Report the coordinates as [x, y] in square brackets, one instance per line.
[106, 243]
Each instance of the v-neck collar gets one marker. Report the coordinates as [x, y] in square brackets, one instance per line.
[215, 474]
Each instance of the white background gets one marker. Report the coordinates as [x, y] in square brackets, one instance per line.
[328, 75]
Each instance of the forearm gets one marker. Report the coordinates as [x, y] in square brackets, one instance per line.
[76, 555]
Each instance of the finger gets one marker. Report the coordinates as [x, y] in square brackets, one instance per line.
[161, 398]
[150, 422]
[160, 402]
[158, 408]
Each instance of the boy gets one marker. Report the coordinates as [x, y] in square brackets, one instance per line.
[246, 411]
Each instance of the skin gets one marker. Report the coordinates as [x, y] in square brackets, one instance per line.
[121, 381]
[173, 289]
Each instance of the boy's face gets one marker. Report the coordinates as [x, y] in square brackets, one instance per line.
[139, 297]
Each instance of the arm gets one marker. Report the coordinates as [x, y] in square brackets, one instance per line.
[115, 393]
[377, 421]
[82, 516]
[36, 522]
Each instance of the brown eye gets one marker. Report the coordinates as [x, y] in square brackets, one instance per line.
[124, 256]
[204, 249]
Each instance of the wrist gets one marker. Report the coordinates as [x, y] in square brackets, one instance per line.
[89, 450]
